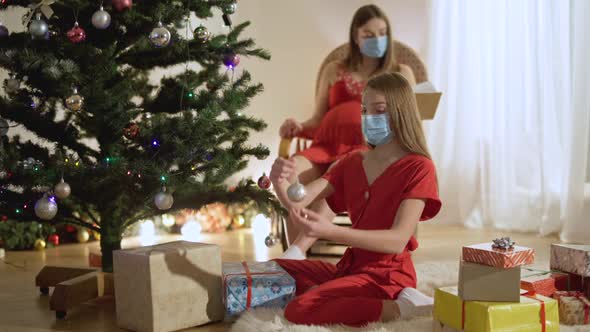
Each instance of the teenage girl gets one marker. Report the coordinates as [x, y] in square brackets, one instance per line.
[386, 191]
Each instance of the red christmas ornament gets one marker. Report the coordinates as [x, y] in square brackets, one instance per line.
[70, 229]
[131, 131]
[4, 218]
[53, 238]
[264, 181]
[121, 5]
[76, 34]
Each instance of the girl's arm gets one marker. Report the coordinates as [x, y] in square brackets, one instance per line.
[282, 175]
[390, 241]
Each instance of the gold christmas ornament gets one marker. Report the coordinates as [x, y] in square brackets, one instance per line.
[75, 101]
[83, 236]
[40, 244]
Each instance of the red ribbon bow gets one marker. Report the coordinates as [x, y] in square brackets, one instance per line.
[249, 281]
[249, 275]
[533, 295]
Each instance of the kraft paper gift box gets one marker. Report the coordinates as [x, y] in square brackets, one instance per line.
[574, 258]
[485, 254]
[486, 283]
[168, 287]
[251, 285]
[533, 313]
[574, 308]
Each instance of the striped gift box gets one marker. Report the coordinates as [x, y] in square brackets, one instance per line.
[485, 254]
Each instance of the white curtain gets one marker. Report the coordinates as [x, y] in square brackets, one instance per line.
[510, 138]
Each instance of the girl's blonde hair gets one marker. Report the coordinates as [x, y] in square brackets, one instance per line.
[401, 104]
[354, 59]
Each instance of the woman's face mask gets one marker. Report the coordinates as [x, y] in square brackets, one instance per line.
[376, 128]
[374, 47]
[376, 118]
[372, 38]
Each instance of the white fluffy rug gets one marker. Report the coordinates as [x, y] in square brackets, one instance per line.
[430, 277]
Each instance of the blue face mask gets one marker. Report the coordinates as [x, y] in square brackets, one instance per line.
[376, 129]
[374, 47]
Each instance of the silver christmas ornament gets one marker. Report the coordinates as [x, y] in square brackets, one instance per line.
[101, 19]
[271, 240]
[46, 208]
[163, 200]
[31, 163]
[160, 36]
[230, 8]
[296, 192]
[11, 84]
[202, 34]
[75, 101]
[62, 190]
[38, 28]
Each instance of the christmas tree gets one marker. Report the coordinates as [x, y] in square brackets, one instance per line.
[111, 148]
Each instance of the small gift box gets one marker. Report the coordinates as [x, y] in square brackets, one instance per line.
[502, 256]
[250, 285]
[486, 283]
[168, 287]
[574, 308]
[545, 282]
[532, 313]
[574, 258]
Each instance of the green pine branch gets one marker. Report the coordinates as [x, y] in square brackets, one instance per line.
[44, 127]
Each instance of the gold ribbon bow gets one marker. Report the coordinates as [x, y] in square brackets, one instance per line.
[44, 6]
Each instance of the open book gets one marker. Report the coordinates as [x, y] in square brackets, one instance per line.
[427, 98]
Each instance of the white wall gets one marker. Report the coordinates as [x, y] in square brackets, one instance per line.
[299, 34]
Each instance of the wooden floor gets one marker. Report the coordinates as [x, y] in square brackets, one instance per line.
[23, 309]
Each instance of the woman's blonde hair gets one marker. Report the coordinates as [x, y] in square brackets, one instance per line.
[401, 104]
[354, 59]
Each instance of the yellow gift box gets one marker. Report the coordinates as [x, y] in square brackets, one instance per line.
[476, 316]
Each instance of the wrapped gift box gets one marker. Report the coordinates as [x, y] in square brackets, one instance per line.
[574, 258]
[574, 308]
[486, 283]
[168, 287]
[440, 327]
[251, 285]
[579, 283]
[485, 254]
[451, 312]
[563, 281]
[546, 283]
